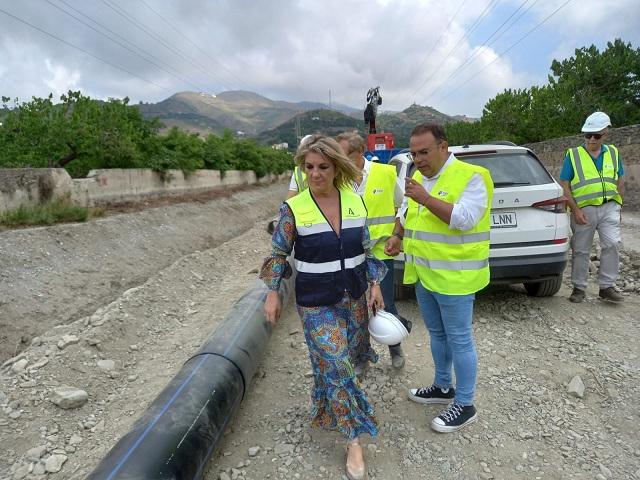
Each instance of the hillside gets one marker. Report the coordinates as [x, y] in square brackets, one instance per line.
[237, 110]
[274, 121]
[328, 122]
[403, 122]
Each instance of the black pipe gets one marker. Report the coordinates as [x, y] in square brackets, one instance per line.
[177, 434]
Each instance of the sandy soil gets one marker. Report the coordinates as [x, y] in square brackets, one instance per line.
[115, 306]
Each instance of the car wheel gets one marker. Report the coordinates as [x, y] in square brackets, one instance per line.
[546, 288]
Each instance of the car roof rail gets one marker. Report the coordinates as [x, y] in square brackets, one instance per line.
[501, 142]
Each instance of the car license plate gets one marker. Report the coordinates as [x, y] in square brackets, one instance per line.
[504, 220]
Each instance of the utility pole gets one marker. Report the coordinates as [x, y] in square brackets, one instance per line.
[329, 99]
[297, 130]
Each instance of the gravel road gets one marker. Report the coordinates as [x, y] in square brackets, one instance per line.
[117, 305]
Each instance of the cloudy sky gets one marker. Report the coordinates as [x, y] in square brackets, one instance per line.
[453, 55]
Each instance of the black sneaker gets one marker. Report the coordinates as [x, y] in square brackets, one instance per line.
[577, 296]
[454, 418]
[432, 394]
[611, 294]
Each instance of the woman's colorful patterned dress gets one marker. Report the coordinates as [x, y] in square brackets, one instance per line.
[336, 340]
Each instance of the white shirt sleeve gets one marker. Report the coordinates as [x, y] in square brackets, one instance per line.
[293, 186]
[402, 211]
[471, 206]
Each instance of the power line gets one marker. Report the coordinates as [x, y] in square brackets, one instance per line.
[194, 44]
[490, 6]
[116, 41]
[486, 43]
[504, 52]
[80, 48]
[120, 11]
[426, 57]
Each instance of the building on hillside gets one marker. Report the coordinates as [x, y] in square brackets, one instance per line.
[280, 146]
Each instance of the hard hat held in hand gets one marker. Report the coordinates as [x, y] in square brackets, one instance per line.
[386, 328]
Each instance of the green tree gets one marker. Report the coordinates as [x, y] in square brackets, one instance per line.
[179, 150]
[219, 151]
[77, 134]
[507, 116]
[592, 80]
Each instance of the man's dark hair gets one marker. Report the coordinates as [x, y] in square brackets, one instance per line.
[433, 128]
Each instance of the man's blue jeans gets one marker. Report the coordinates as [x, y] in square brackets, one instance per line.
[448, 320]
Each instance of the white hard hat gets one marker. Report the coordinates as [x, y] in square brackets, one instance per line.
[596, 122]
[305, 139]
[375, 159]
[386, 328]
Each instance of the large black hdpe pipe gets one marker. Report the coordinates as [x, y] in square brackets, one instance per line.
[177, 434]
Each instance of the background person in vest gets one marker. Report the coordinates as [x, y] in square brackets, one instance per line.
[326, 225]
[382, 192]
[298, 180]
[446, 245]
[591, 178]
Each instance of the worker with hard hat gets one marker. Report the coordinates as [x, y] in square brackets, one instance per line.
[446, 244]
[592, 180]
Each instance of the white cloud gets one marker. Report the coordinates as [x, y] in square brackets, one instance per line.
[300, 50]
[61, 80]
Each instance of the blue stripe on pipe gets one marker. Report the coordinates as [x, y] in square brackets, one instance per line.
[172, 399]
[261, 299]
[155, 420]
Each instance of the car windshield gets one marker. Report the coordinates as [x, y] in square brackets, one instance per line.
[511, 169]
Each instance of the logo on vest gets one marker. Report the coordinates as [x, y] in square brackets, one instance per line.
[377, 191]
[350, 212]
[442, 193]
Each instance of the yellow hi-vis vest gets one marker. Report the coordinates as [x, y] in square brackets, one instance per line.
[301, 178]
[378, 197]
[590, 187]
[451, 262]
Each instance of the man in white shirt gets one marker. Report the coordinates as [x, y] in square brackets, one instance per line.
[447, 257]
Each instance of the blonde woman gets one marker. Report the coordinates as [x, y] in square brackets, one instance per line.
[326, 225]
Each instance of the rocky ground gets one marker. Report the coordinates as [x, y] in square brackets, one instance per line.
[557, 394]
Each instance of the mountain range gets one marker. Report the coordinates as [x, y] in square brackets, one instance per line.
[274, 121]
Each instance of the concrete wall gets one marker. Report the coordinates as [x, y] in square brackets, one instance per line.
[33, 186]
[29, 186]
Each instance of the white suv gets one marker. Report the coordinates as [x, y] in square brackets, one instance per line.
[529, 223]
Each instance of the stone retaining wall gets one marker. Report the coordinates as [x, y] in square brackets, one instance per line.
[32, 186]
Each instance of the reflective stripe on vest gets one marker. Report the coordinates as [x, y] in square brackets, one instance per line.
[325, 267]
[590, 187]
[325, 227]
[379, 199]
[448, 265]
[458, 239]
[450, 262]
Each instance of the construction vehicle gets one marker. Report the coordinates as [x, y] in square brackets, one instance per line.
[380, 145]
